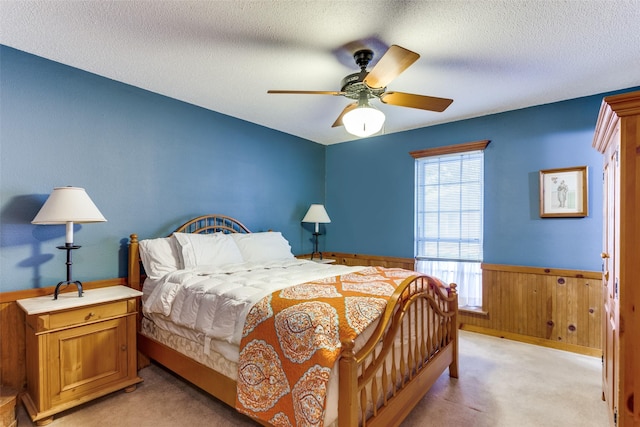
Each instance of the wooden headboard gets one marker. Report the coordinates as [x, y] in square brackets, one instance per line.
[205, 224]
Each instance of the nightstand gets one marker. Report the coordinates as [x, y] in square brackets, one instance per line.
[8, 397]
[78, 348]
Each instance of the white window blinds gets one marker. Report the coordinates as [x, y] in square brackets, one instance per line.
[449, 207]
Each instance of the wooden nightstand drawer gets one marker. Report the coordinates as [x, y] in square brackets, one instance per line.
[85, 314]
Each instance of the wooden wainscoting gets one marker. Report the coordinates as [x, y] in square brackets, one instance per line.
[551, 307]
[360, 259]
[558, 308]
[12, 330]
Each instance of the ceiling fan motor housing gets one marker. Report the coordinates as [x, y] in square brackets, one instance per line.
[363, 57]
[353, 84]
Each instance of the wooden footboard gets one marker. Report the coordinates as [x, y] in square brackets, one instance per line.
[415, 341]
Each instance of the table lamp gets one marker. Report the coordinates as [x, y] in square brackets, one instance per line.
[317, 214]
[67, 205]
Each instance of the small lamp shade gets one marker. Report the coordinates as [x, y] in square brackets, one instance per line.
[318, 214]
[68, 204]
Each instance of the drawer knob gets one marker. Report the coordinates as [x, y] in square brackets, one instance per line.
[90, 315]
[123, 348]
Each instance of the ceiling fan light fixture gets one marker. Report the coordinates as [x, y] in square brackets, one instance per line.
[360, 118]
[363, 120]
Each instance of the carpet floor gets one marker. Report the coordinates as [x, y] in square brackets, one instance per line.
[502, 383]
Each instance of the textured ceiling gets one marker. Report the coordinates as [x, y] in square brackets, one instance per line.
[489, 56]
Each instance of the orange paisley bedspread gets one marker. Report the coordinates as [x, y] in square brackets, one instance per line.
[292, 339]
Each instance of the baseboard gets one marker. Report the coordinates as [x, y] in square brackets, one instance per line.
[587, 351]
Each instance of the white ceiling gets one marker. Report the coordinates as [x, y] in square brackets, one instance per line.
[489, 56]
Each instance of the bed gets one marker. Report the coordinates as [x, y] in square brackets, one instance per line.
[380, 373]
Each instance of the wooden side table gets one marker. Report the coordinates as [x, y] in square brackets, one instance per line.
[78, 348]
[8, 397]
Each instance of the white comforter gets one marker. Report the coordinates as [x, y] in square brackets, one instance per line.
[215, 301]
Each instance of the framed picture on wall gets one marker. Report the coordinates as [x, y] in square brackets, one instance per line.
[563, 192]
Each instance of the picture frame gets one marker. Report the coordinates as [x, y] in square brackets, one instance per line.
[564, 192]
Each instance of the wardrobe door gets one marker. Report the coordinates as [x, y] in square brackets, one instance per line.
[617, 137]
[610, 250]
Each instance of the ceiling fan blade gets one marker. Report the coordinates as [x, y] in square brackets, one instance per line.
[391, 65]
[422, 102]
[307, 92]
[348, 108]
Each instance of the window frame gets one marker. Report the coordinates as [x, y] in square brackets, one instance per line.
[480, 145]
[450, 149]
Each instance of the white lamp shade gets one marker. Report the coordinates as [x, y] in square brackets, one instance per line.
[68, 204]
[318, 214]
[363, 121]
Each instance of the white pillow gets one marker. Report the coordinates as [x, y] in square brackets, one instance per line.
[261, 247]
[208, 249]
[160, 256]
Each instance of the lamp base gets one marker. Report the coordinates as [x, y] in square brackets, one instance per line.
[67, 282]
[68, 247]
[315, 246]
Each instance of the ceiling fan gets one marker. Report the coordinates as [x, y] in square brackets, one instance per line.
[360, 118]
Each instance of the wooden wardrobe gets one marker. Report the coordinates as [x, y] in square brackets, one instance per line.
[617, 137]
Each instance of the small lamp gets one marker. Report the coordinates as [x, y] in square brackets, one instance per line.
[364, 120]
[67, 205]
[318, 214]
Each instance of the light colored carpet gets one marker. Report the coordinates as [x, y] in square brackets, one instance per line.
[502, 383]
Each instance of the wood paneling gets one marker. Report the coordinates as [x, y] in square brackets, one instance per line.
[361, 259]
[12, 331]
[555, 307]
[12, 346]
[558, 308]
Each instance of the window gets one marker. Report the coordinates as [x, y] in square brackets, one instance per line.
[449, 216]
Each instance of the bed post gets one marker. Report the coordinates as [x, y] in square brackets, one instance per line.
[453, 367]
[348, 394]
[133, 278]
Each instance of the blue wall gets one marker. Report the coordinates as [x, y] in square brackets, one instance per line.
[370, 186]
[148, 162]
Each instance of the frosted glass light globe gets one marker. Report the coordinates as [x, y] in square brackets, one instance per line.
[363, 121]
